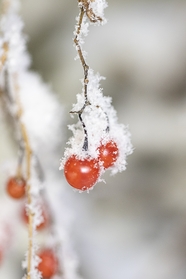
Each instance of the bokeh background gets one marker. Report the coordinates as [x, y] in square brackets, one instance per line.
[134, 226]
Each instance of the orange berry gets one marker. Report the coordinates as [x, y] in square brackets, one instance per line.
[49, 263]
[108, 154]
[16, 187]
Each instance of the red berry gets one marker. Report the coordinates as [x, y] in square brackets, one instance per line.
[108, 154]
[81, 174]
[16, 187]
[49, 263]
[42, 225]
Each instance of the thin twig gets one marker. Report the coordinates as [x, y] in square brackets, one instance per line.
[82, 59]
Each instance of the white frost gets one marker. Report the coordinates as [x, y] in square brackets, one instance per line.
[98, 7]
[97, 117]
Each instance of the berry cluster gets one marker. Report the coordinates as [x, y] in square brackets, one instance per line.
[16, 189]
[82, 174]
[48, 265]
[98, 141]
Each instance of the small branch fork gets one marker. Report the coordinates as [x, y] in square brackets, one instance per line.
[84, 9]
[89, 12]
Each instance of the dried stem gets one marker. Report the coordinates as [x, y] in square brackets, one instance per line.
[82, 59]
[28, 152]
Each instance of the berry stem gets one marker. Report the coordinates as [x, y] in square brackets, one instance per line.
[85, 143]
[20, 159]
[108, 123]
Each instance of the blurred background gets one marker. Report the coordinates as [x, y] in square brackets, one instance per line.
[134, 226]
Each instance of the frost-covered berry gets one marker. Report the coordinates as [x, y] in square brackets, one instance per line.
[108, 153]
[49, 263]
[16, 187]
[81, 174]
